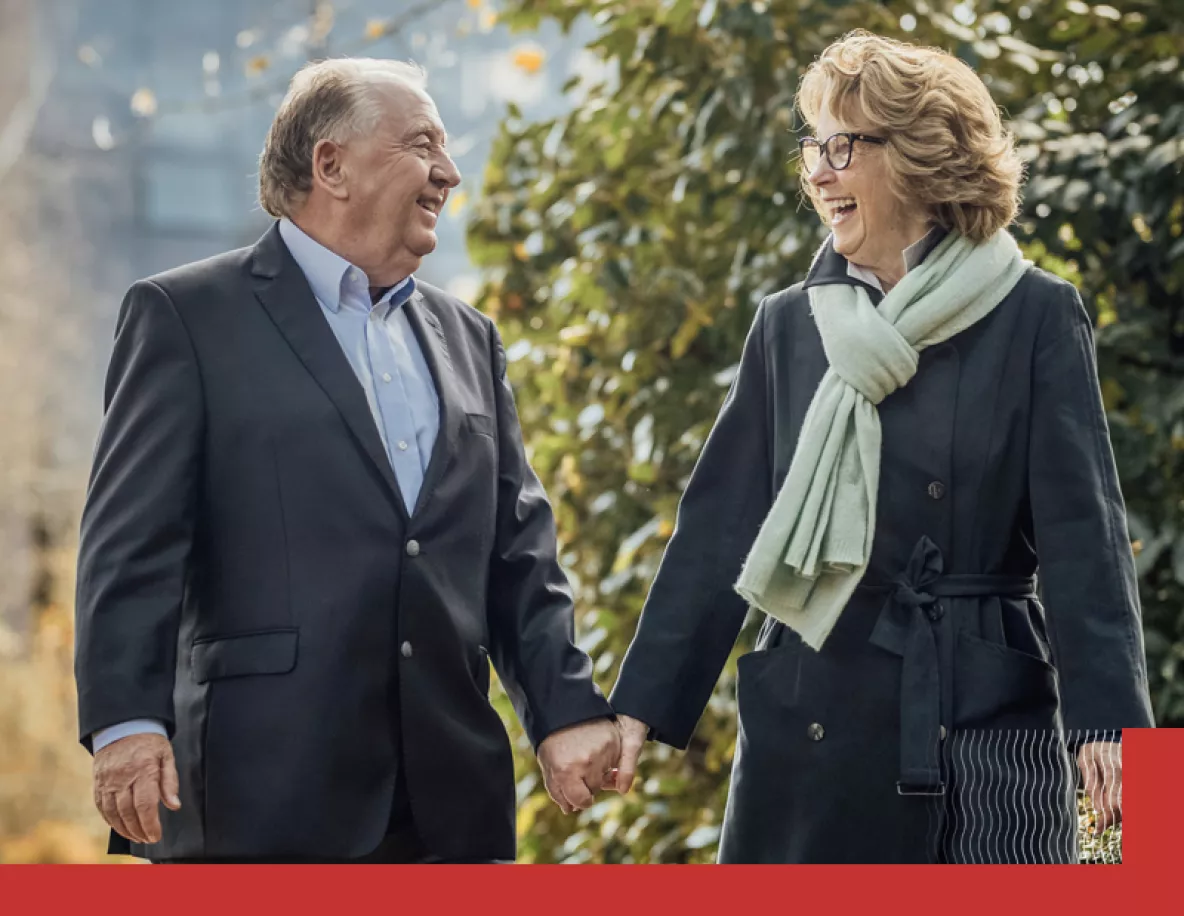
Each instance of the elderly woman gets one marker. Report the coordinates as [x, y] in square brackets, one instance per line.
[914, 433]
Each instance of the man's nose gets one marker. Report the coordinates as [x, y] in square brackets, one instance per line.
[447, 173]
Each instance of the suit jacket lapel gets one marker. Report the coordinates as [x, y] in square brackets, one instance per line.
[430, 333]
[284, 292]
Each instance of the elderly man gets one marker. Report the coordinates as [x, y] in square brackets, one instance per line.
[311, 526]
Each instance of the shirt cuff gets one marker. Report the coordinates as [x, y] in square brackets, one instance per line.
[105, 736]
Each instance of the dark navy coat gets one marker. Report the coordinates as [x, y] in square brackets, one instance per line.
[998, 625]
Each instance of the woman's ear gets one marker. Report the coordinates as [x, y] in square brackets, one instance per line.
[329, 168]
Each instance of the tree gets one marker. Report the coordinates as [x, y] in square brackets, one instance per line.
[626, 244]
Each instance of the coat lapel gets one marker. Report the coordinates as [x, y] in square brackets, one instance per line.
[284, 292]
[432, 340]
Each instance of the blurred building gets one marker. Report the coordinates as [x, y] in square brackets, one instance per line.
[167, 104]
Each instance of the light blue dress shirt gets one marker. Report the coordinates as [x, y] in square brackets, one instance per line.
[381, 346]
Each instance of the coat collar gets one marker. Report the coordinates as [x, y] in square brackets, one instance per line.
[830, 267]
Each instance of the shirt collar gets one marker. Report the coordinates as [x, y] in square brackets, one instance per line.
[913, 256]
[331, 276]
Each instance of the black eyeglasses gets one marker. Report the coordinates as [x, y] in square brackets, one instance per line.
[837, 148]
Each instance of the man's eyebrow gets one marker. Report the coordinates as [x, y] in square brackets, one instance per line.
[427, 127]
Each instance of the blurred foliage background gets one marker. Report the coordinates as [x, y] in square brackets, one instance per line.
[623, 245]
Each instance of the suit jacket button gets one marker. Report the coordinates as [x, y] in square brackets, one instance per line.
[937, 489]
[413, 548]
[816, 732]
[405, 649]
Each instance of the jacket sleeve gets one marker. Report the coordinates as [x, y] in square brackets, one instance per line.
[531, 610]
[692, 615]
[1086, 566]
[138, 519]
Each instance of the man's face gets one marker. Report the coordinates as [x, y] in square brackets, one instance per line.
[397, 180]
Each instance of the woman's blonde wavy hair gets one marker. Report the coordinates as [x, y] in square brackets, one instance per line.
[947, 147]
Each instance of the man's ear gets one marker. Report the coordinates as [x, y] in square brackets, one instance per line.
[329, 170]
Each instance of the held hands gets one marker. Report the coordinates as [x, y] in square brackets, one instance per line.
[579, 761]
[132, 777]
[633, 735]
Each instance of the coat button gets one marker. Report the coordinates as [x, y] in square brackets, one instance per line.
[405, 649]
[413, 548]
[937, 489]
[816, 732]
[943, 733]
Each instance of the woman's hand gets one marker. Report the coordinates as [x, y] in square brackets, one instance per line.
[633, 735]
[1100, 763]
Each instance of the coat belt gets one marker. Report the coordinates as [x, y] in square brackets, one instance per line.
[908, 627]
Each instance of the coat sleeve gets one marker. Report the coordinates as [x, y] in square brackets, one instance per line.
[1086, 567]
[692, 615]
[531, 610]
[138, 519]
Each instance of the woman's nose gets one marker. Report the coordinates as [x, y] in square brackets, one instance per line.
[821, 174]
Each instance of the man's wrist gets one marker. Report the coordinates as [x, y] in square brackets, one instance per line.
[107, 736]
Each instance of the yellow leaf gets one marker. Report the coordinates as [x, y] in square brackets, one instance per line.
[575, 335]
[257, 64]
[520, 252]
[144, 103]
[529, 811]
[457, 202]
[665, 528]
[488, 20]
[685, 335]
[474, 4]
[1141, 228]
[376, 28]
[529, 59]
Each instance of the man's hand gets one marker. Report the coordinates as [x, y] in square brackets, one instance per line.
[1100, 763]
[132, 777]
[633, 735]
[576, 761]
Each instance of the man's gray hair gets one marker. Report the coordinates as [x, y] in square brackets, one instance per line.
[327, 100]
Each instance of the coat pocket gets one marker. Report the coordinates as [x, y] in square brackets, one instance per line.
[997, 687]
[769, 678]
[266, 652]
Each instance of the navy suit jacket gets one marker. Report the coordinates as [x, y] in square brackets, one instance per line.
[250, 576]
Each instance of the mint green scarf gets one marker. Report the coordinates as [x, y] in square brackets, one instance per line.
[814, 545]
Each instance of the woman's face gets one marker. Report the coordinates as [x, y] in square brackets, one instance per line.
[871, 226]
